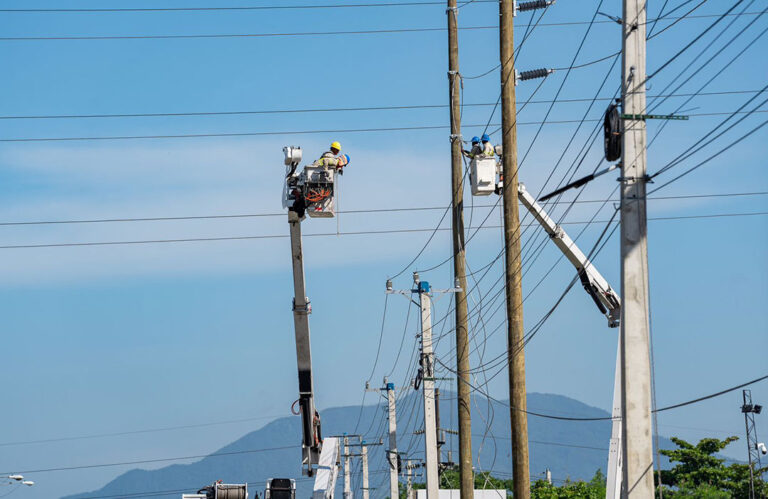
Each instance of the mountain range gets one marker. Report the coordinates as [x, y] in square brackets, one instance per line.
[569, 449]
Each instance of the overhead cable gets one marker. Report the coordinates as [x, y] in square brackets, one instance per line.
[146, 461]
[301, 132]
[349, 233]
[332, 110]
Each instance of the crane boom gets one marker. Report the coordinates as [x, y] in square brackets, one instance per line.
[609, 303]
[309, 192]
[310, 419]
[594, 283]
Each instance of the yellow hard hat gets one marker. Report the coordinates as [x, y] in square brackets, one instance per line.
[336, 145]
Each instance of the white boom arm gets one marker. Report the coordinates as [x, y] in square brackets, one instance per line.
[297, 192]
[310, 419]
[594, 283]
[609, 303]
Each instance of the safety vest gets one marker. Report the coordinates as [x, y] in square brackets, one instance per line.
[488, 150]
[328, 159]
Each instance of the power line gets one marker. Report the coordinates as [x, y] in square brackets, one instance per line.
[609, 418]
[327, 110]
[134, 432]
[237, 35]
[713, 156]
[310, 132]
[234, 8]
[335, 234]
[160, 460]
[297, 33]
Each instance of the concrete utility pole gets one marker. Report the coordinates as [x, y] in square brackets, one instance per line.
[516, 352]
[462, 330]
[394, 485]
[409, 481]
[364, 454]
[637, 436]
[614, 478]
[428, 388]
[347, 481]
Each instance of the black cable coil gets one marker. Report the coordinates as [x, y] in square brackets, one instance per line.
[612, 131]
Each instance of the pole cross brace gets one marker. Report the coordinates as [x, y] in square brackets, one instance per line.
[654, 117]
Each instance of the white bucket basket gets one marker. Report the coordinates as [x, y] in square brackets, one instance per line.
[483, 174]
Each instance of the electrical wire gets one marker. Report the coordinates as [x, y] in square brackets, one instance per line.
[710, 158]
[328, 110]
[134, 432]
[298, 132]
[230, 8]
[362, 211]
[160, 460]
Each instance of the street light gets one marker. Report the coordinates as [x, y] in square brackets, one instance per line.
[17, 480]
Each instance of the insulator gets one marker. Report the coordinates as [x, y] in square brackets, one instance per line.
[534, 73]
[536, 4]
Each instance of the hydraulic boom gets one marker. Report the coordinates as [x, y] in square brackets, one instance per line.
[483, 176]
[594, 283]
[309, 192]
[609, 303]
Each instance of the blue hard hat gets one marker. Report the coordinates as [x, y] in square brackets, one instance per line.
[475, 139]
[347, 157]
[486, 138]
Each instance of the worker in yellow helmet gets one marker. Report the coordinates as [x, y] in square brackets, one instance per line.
[331, 158]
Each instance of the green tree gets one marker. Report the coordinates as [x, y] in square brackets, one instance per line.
[594, 489]
[699, 473]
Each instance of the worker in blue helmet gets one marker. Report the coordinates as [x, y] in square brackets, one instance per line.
[476, 150]
[487, 149]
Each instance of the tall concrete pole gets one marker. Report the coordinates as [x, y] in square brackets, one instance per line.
[394, 489]
[637, 437]
[428, 388]
[462, 330]
[409, 481]
[614, 473]
[515, 353]
[364, 455]
[347, 481]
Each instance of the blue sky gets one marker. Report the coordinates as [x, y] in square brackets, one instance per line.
[111, 338]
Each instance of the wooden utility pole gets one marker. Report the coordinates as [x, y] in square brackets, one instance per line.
[637, 436]
[467, 481]
[516, 352]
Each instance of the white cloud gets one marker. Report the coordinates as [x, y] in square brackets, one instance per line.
[179, 178]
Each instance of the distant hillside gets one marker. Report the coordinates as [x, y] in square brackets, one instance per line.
[571, 449]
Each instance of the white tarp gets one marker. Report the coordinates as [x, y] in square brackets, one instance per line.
[327, 469]
[456, 494]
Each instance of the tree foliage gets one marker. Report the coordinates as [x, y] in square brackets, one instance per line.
[594, 489]
[697, 473]
[700, 473]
